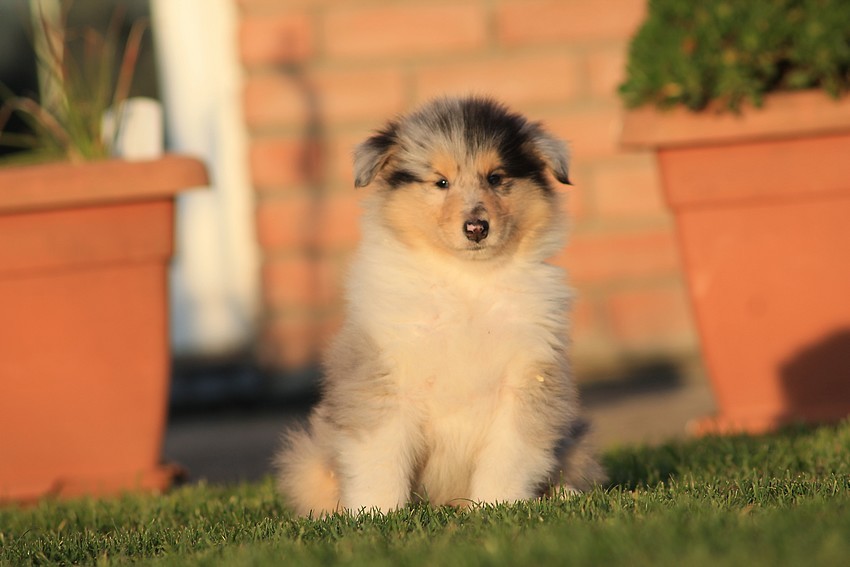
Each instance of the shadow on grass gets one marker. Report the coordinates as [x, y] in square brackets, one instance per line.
[786, 452]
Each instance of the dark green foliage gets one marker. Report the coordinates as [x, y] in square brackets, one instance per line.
[726, 52]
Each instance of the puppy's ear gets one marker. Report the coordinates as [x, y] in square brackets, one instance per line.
[370, 156]
[553, 151]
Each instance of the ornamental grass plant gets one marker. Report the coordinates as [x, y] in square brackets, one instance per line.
[85, 74]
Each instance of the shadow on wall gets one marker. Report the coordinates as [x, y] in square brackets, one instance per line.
[256, 376]
[312, 168]
[816, 382]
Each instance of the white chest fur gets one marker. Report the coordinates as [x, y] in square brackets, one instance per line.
[455, 333]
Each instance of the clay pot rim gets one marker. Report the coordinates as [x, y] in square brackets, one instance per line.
[62, 184]
[783, 115]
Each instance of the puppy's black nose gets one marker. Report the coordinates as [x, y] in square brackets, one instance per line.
[476, 230]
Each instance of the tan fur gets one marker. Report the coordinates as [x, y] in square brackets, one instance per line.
[307, 475]
[449, 381]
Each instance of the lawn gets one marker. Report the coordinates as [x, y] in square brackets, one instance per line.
[782, 499]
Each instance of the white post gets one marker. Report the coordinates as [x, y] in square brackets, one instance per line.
[215, 277]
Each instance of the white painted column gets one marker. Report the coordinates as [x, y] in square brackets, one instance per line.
[215, 278]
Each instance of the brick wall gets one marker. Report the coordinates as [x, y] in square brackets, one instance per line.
[321, 74]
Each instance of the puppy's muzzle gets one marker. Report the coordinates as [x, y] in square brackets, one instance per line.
[476, 230]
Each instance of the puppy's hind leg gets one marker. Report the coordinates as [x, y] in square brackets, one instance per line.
[578, 469]
[306, 475]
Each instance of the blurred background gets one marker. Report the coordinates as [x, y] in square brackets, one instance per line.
[275, 94]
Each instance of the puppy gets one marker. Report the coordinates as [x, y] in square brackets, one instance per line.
[448, 381]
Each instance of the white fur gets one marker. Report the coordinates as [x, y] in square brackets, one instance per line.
[459, 338]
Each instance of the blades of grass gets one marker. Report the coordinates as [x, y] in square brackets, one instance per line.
[77, 94]
[20, 141]
[108, 84]
[126, 73]
[51, 18]
[721, 505]
[40, 119]
[127, 70]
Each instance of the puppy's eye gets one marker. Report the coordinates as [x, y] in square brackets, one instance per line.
[442, 184]
[495, 179]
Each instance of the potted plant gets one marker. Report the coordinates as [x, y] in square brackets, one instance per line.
[741, 102]
[86, 240]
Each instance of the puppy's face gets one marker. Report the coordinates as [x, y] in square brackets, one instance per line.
[464, 177]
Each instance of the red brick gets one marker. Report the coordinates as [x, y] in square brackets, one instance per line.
[570, 203]
[339, 220]
[275, 101]
[628, 190]
[267, 6]
[284, 223]
[404, 30]
[606, 70]
[598, 258]
[574, 196]
[358, 95]
[337, 96]
[283, 163]
[591, 132]
[296, 340]
[542, 21]
[592, 346]
[300, 281]
[340, 150]
[652, 318]
[302, 221]
[513, 80]
[291, 342]
[584, 319]
[275, 39]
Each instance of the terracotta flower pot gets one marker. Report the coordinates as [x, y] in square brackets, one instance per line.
[762, 206]
[84, 351]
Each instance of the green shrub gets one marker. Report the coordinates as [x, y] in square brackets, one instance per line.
[726, 52]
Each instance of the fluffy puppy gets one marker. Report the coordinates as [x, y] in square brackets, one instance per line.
[448, 381]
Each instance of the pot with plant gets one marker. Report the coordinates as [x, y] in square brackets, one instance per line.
[743, 104]
[86, 240]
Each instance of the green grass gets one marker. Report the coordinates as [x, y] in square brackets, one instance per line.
[776, 500]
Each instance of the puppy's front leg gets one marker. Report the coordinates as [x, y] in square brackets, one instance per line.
[376, 467]
[511, 466]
